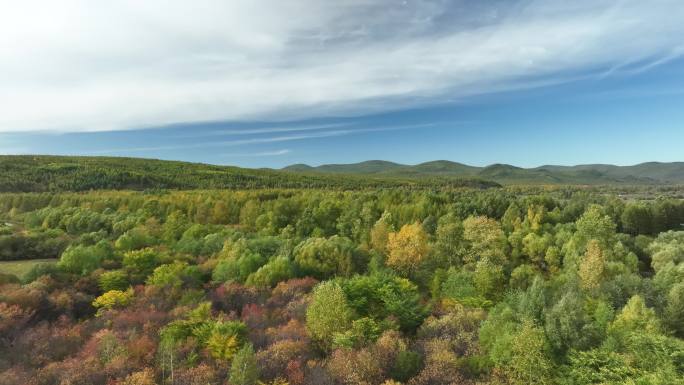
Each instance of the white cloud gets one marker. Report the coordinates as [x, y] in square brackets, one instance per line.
[94, 65]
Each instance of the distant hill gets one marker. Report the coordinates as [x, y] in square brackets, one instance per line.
[592, 174]
[41, 173]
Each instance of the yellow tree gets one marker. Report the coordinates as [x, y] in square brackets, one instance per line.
[407, 248]
[380, 232]
[487, 240]
[592, 268]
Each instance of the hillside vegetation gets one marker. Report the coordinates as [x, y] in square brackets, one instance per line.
[593, 174]
[68, 173]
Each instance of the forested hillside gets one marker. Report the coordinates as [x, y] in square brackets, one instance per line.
[29, 173]
[313, 287]
[592, 174]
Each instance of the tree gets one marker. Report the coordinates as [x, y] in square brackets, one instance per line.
[594, 224]
[486, 239]
[567, 324]
[592, 268]
[143, 377]
[674, 311]
[84, 259]
[384, 296]
[141, 263]
[169, 275]
[362, 332]
[222, 346]
[406, 365]
[328, 313]
[352, 367]
[449, 243]
[134, 239]
[535, 247]
[489, 279]
[637, 219]
[667, 248]
[175, 225]
[529, 363]
[636, 317]
[599, 366]
[407, 248]
[237, 269]
[222, 338]
[114, 299]
[512, 218]
[458, 285]
[380, 232]
[277, 270]
[220, 213]
[325, 257]
[113, 280]
[243, 369]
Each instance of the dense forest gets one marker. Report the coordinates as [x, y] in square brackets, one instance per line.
[386, 286]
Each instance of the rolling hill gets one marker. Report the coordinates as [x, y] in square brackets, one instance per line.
[42, 173]
[593, 174]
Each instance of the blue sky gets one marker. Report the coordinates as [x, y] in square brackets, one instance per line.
[263, 84]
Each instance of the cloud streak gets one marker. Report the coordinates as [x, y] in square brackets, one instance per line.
[260, 154]
[252, 141]
[79, 65]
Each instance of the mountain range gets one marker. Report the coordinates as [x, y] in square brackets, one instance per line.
[45, 173]
[40, 173]
[643, 173]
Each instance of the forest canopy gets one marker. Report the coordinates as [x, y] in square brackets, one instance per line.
[513, 285]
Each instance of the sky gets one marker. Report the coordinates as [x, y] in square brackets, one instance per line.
[267, 83]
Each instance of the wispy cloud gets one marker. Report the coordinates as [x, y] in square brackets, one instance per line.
[259, 154]
[256, 131]
[78, 65]
[263, 140]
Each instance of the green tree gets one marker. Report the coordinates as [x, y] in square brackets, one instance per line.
[594, 224]
[489, 279]
[637, 219]
[635, 317]
[385, 297]
[277, 270]
[174, 227]
[169, 275]
[113, 280]
[529, 362]
[667, 248]
[243, 369]
[325, 257]
[674, 311]
[328, 313]
[568, 324]
[84, 259]
[449, 242]
[141, 263]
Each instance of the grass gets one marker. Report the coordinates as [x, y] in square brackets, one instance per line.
[19, 268]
